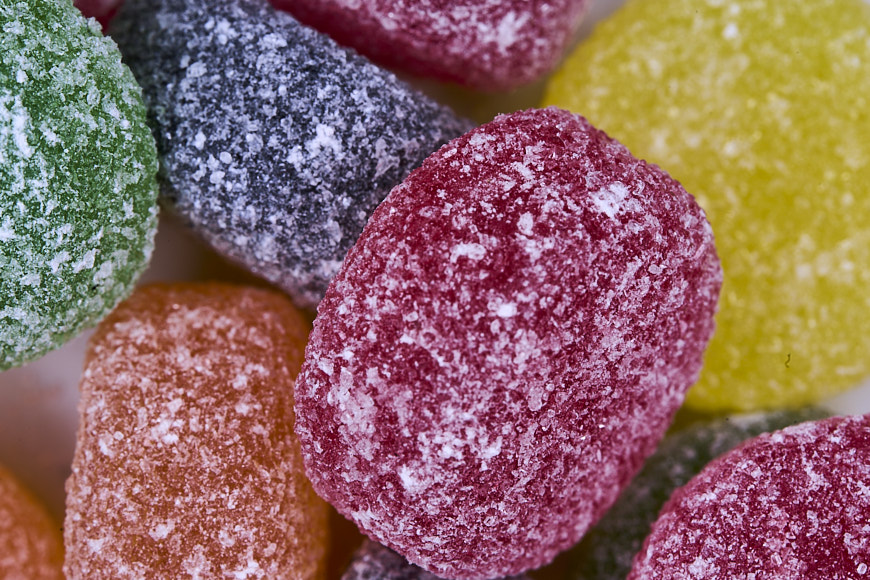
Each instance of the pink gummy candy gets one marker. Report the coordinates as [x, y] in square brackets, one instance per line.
[788, 505]
[505, 344]
[486, 44]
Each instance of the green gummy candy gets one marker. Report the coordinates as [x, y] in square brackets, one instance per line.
[761, 109]
[78, 185]
[607, 550]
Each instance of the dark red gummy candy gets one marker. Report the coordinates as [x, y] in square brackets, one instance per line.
[486, 44]
[788, 505]
[505, 344]
[102, 10]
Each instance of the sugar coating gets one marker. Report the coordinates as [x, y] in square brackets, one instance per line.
[186, 465]
[760, 109]
[792, 504]
[78, 207]
[493, 45]
[372, 561]
[607, 551]
[276, 145]
[505, 344]
[31, 546]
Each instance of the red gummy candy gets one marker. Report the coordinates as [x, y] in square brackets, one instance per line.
[102, 10]
[505, 344]
[480, 43]
[792, 504]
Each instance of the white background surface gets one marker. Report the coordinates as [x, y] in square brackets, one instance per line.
[38, 401]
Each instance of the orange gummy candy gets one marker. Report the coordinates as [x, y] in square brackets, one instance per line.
[186, 464]
[30, 542]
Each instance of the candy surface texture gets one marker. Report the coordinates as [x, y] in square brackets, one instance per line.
[486, 44]
[759, 108]
[505, 344]
[373, 561]
[607, 551]
[30, 543]
[792, 504]
[186, 465]
[77, 178]
[276, 145]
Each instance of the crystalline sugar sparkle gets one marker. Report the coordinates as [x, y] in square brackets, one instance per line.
[505, 344]
[607, 551]
[78, 193]
[760, 109]
[276, 145]
[186, 465]
[486, 44]
[791, 504]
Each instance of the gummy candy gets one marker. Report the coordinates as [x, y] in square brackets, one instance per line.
[373, 561]
[505, 343]
[484, 44]
[186, 464]
[102, 10]
[30, 542]
[759, 108]
[792, 504]
[78, 207]
[276, 145]
[606, 552]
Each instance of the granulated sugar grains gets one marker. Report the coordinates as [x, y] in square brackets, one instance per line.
[792, 504]
[78, 194]
[186, 463]
[505, 344]
[276, 144]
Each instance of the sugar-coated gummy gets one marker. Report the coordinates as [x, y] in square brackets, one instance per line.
[759, 108]
[186, 465]
[77, 178]
[505, 343]
[486, 44]
[372, 561]
[607, 551]
[791, 504]
[276, 144]
[31, 547]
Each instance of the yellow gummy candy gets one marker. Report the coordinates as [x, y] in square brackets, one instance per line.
[761, 109]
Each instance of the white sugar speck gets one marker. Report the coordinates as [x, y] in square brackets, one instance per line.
[731, 32]
[7, 231]
[160, 531]
[609, 200]
[58, 259]
[96, 545]
[472, 251]
[507, 310]
[526, 223]
[325, 139]
[199, 140]
[196, 70]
